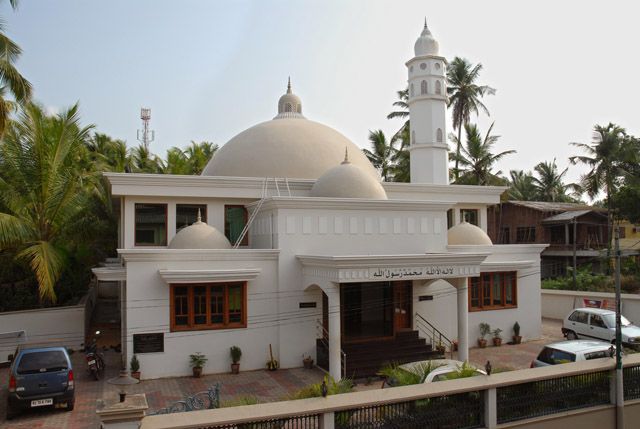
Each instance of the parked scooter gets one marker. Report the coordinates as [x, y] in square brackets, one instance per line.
[95, 361]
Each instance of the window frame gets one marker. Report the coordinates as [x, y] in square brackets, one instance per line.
[166, 225]
[245, 239]
[191, 326]
[470, 210]
[203, 213]
[487, 279]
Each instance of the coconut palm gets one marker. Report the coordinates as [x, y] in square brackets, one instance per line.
[476, 159]
[403, 111]
[177, 162]
[199, 154]
[41, 190]
[382, 153]
[605, 157]
[550, 184]
[108, 154]
[521, 186]
[465, 96]
[143, 161]
[401, 168]
[11, 80]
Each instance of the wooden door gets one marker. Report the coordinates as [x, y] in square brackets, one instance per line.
[402, 306]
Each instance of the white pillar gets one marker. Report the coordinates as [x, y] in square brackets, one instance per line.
[335, 347]
[463, 318]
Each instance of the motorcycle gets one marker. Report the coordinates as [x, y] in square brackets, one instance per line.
[95, 361]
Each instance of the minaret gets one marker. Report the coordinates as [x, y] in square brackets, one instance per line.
[427, 110]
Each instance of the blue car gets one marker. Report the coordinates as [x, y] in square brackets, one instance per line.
[40, 377]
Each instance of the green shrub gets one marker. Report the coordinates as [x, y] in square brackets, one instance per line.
[333, 388]
[397, 376]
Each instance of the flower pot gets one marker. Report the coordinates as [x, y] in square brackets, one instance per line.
[135, 374]
[235, 368]
[517, 339]
[308, 363]
[482, 343]
[197, 371]
[441, 349]
[497, 342]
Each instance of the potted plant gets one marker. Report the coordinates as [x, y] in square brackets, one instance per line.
[485, 330]
[497, 339]
[236, 354]
[517, 339]
[307, 361]
[198, 360]
[134, 365]
[272, 364]
[441, 348]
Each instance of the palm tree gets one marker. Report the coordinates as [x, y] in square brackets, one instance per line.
[521, 186]
[41, 190]
[143, 161]
[549, 183]
[476, 159]
[605, 157]
[465, 97]
[10, 79]
[177, 162]
[199, 155]
[382, 153]
[403, 105]
[401, 168]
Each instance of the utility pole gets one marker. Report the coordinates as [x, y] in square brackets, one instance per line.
[145, 135]
[619, 381]
[575, 265]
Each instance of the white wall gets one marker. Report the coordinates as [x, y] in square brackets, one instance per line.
[556, 304]
[58, 326]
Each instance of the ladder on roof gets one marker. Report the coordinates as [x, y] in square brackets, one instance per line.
[263, 196]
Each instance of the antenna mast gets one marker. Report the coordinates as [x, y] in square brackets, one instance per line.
[145, 135]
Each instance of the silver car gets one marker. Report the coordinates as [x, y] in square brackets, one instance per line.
[599, 324]
[573, 351]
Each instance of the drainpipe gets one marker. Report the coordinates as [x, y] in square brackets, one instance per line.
[619, 381]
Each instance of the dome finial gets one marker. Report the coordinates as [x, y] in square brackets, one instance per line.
[346, 156]
[289, 85]
[199, 218]
[425, 22]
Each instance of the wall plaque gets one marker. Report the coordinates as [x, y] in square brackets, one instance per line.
[307, 305]
[148, 343]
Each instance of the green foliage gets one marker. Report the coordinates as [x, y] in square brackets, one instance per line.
[240, 401]
[197, 360]
[463, 371]
[485, 329]
[134, 364]
[594, 282]
[397, 376]
[627, 203]
[382, 153]
[333, 388]
[516, 329]
[236, 354]
[496, 333]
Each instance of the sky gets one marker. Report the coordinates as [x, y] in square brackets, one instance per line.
[210, 69]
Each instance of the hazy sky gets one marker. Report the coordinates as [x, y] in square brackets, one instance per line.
[210, 69]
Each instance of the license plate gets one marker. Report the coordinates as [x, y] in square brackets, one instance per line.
[92, 362]
[41, 402]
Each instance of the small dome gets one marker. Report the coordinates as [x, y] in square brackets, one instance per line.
[426, 44]
[466, 234]
[348, 181]
[199, 235]
[289, 105]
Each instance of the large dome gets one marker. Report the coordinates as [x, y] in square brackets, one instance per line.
[288, 146]
[348, 181]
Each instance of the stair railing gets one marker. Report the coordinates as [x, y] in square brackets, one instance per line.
[323, 337]
[427, 330]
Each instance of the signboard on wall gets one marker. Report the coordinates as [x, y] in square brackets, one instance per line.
[148, 343]
[599, 303]
[408, 273]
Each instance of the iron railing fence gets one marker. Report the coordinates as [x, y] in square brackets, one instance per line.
[293, 422]
[540, 398]
[458, 411]
[433, 335]
[631, 381]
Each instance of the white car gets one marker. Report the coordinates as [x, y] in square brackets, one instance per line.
[573, 351]
[598, 324]
[442, 371]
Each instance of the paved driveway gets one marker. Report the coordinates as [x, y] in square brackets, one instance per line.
[265, 385]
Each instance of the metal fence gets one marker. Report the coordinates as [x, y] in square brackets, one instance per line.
[631, 377]
[459, 411]
[539, 398]
[294, 422]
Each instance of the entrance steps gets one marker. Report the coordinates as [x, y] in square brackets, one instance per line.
[365, 359]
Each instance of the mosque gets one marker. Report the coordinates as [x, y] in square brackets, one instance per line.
[290, 245]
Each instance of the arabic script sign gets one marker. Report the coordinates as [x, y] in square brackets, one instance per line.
[410, 272]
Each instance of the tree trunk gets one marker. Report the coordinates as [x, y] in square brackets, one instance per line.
[455, 171]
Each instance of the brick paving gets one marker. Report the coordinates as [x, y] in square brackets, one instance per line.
[265, 385]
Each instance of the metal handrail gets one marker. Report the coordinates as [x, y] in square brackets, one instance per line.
[324, 334]
[434, 334]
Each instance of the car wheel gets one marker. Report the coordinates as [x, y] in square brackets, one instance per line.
[10, 413]
[70, 405]
[571, 335]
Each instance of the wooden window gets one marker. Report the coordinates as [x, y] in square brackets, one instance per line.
[208, 306]
[187, 214]
[469, 215]
[150, 225]
[623, 232]
[493, 291]
[505, 235]
[526, 234]
[235, 218]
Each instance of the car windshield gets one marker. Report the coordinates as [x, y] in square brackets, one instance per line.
[554, 356]
[45, 361]
[610, 320]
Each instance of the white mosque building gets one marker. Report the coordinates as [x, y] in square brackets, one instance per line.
[290, 241]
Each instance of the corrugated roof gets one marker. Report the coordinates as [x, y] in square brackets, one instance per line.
[566, 216]
[545, 206]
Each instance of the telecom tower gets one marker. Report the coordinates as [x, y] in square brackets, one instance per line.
[146, 136]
